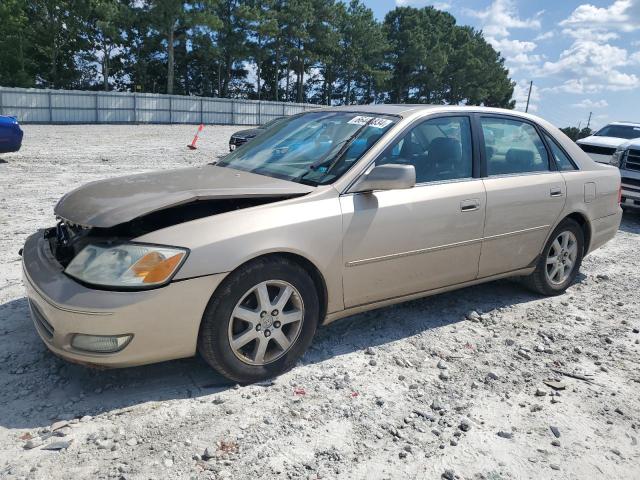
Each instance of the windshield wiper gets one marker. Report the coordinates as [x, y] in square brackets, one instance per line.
[346, 144]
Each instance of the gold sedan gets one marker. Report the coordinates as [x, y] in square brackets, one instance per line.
[329, 213]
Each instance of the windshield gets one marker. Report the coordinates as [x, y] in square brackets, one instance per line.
[313, 148]
[273, 122]
[620, 131]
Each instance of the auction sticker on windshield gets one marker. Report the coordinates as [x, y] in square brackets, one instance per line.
[376, 122]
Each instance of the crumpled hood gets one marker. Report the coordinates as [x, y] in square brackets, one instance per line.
[106, 203]
[602, 141]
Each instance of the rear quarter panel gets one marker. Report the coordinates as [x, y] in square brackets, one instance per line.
[591, 191]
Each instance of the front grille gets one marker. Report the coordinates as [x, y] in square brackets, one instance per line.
[631, 160]
[41, 323]
[631, 185]
[595, 149]
[631, 181]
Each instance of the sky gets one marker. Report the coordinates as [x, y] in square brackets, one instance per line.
[581, 56]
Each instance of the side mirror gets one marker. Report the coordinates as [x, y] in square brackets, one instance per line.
[386, 177]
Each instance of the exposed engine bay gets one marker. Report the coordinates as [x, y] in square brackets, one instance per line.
[67, 239]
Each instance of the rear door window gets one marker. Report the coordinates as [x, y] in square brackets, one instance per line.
[562, 160]
[512, 147]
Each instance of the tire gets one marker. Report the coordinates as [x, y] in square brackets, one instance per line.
[236, 313]
[542, 279]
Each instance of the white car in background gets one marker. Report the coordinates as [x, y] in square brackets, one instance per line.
[602, 145]
[627, 158]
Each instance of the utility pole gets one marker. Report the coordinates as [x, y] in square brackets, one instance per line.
[589, 121]
[529, 97]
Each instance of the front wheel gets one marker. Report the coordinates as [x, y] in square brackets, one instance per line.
[260, 321]
[560, 260]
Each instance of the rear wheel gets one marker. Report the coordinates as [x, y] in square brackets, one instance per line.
[560, 260]
[260, 321]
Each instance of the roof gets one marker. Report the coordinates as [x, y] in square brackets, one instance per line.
[629, 124]
[405, 109]
[385, 108]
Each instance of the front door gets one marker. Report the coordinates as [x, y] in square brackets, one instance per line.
[400, 242]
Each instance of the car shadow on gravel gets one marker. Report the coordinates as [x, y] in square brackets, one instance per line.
[40, 388]
[37, 387]
[388, 324]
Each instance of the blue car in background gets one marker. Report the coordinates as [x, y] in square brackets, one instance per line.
[10, 134]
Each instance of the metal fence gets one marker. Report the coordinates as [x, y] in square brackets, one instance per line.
[32, 105]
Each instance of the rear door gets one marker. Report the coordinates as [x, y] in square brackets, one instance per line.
[525, 194]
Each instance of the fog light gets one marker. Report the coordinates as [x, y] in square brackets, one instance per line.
[100, 343]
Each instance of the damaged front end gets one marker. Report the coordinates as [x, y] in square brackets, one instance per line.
[67, 239]
[95, 239]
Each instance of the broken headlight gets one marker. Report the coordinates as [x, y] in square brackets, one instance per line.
[128, 265]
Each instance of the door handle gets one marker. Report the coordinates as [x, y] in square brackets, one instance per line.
[556, 192]
[469, 205]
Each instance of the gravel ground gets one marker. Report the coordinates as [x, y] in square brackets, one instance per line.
[463, 385]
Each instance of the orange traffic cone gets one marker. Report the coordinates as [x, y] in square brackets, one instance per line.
[192, 146]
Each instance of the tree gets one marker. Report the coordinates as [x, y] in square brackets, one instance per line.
[432, 60]
[262, 28]
[575, 133]
[299, 18]
[16, 70]
[176, 17]
[55, 29]
[231, 40]
[362, 49]
[323, 51]
[105, 34]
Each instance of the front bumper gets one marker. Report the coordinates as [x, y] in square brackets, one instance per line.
[164, 322]
[235, 142]
[630, 187]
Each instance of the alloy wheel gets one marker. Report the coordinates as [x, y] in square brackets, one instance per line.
[561, 258]
[266, 322]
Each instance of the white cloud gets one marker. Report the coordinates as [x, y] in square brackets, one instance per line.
[497, 21]
[588, 103]
[423, 3]
[588, 57]
[621, 14]
[500, 17]
[592, 64]
[545, 36]
[574, 85]
[596, 35]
